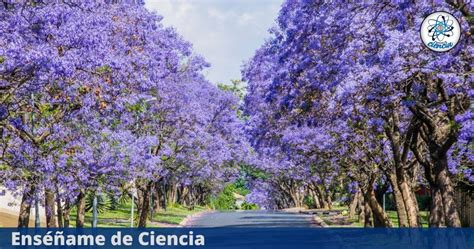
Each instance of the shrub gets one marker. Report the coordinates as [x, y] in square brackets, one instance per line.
[225, 200]
[248, 206]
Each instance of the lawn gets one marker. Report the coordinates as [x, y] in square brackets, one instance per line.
[120, 217]
[176, 214]
[391, 214]
[394, 218]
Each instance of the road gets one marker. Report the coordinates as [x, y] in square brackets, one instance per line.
[258, 218]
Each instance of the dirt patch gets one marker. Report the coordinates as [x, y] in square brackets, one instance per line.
[337, 220]
[188, 221]
[7, 219]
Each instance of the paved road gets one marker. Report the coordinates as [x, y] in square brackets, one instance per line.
[253, 219]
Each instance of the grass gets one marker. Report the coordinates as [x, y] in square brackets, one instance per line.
[391, 214]
[339, 207]
[176, 214]
[355, 222]
[120, 217]
[394, 218]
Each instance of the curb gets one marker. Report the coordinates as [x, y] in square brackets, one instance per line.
[319, 221]
[292, 210]
[316, 219]
[186, 221]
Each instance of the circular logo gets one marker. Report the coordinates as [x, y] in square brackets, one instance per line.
[440, 31]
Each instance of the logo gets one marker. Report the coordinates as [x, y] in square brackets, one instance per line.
[440, 31]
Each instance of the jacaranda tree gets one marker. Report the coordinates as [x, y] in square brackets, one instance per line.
[100, 97]
[360, 68]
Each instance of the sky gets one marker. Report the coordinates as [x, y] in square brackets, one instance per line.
[225, 32]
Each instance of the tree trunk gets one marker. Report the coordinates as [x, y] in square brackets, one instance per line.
[380, 217]
[172, 194]
[184, 196]
[354, 204]
[50, 209]
[443, 181]
[66, 212]
[410, 203]
[398, 197]
[317, 203]
[295, 197]
[400, 144]
[59, 212]
[139, 199]
[25, 207]
[156, 198]
[436, 218]
[361, 205]
[367, 215]
[322, 198]
[145, 206]
[329, 201]
[439, 134]
[81, 208]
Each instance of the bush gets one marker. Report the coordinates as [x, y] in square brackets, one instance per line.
[225, 200]
[104, 202]
[309, 201]
[248, 206]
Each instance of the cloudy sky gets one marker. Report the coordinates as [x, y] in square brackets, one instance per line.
[225, 32]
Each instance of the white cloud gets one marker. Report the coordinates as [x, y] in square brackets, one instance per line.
[245, 19]
[218, 15]
[226, 33]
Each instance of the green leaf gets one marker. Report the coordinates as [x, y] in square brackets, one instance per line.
[47, 110]
[4, 167]
[104, 69]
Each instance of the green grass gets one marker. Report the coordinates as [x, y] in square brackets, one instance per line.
[339, 207]
[355, 223]
[394, 218]
[175, 214]
[120, 217]
[391, 214]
